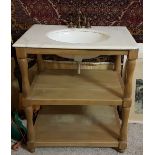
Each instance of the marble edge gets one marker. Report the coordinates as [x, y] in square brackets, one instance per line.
[77, 46]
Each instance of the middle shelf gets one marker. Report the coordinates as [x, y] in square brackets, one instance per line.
[66, 87]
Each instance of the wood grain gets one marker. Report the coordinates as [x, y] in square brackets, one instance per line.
[25, 77]
[130, 67]
[96, 126]
[30, 128]
[40, 62]
[86, 122]
[124, 128]
[117, 66]
[66, 87]
[71, 52]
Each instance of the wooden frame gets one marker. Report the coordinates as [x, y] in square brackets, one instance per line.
[126, 86]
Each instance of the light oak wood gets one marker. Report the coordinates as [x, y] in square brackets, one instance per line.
[73, 65]
[117, 66]
[91, 126]
[25, 77]
[119, 107]
[30, 128]
[128, 77]
[130, 66]
[40, 62]
[21, 52]
[23, 64]
[133, 54]
[127, 101]
[124, 128]
[65, 87]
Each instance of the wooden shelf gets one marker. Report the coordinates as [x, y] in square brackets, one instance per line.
[95, 126]
[84, 107]
[66, 87]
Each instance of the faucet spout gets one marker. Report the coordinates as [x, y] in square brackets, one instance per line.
[81, 21]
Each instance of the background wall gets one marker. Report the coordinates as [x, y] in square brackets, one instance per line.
[102, 12]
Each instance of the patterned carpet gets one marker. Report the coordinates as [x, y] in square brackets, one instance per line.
[135, 147]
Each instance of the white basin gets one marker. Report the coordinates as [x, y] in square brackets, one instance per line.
[77, 36]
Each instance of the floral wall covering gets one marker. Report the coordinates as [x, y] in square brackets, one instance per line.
[102, 12]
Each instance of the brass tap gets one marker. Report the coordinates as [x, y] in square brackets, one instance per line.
[70, 24]
[82, 21]
[79, 23]
[79, 19]
[88, 23]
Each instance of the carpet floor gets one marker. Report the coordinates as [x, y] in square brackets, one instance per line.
[135, 147]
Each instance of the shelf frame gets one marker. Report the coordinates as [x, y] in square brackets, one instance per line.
[126, 101]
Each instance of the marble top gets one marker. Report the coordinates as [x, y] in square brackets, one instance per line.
[36, 37]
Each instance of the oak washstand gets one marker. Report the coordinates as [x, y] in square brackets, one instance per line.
[89, 108]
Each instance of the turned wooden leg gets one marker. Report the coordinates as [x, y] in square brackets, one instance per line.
[23, 64]
[30, 128]
[130, 66]
[124, 129]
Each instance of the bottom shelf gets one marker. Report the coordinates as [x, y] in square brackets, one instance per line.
[91, 126]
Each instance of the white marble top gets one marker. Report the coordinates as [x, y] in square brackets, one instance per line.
[36, 37]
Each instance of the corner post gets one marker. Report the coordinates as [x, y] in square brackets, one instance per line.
[30, 129]
[23, 64]
[130, 66]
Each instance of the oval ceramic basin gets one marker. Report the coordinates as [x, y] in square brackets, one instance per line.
[75, 36]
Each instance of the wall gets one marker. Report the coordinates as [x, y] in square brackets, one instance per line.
[102, 12]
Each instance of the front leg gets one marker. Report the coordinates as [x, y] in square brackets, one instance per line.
[130, 66]
[30, 128]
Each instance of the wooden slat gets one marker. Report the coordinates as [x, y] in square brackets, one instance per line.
[67, 87]
[95, 126]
